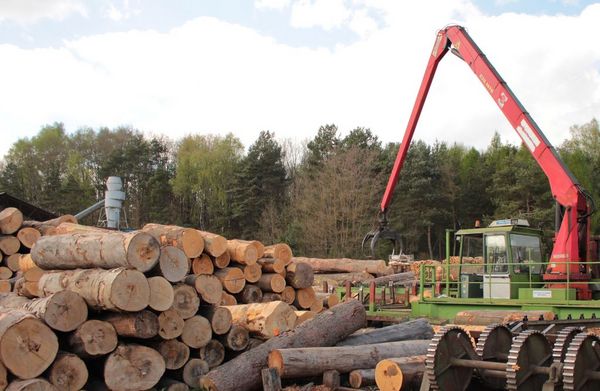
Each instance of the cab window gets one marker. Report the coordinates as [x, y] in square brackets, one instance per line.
[495, 254]
[526, 253]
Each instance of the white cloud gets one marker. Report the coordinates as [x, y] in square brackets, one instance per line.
[30, 11]
[327, 14]
[123, 12]
[213, 76]
[272, 4]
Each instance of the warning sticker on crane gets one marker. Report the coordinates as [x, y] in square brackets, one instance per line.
[529, 137]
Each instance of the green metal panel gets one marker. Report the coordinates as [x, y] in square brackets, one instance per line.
[547, 295]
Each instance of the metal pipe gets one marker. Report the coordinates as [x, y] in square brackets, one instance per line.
[88, 211]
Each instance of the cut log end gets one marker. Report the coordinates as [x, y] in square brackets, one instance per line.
[173, 264]
[143, 251]
[11, 220]
[213, 353]
[202, 265]
[170, 324]
[193, 371]
[133, 367]
[174, 352]
[31, 385]
[68, 372]
[186, 300]
[192, 242]
[197, 332]
[65, 311]
[161, 293]
[130, 291]
[93, 338]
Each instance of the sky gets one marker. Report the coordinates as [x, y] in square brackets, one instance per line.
[197, 66]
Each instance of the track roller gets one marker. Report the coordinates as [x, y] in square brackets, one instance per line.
[493, 346]
[581, 370]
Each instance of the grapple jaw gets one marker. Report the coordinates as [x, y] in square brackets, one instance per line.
[382, 232]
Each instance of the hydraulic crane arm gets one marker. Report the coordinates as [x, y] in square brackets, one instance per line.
[572, 238]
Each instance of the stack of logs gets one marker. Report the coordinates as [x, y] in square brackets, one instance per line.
[159, 307]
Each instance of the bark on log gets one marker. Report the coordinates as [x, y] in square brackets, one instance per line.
[42, 226]
[174, 352]
[27, 346]
[328, 299]
[214, 244]
[143, 324]
[74, 228]
[11, 220]
[486, 317]
[185, 300]
[227, 299]
[303, 362]
[303, 316]
[242, 373]
[161, 293]
[346, 265]
[360, 378]
[68, 372]
[62, 311]
[270, 296]
[250, 294]
[202, 265]
[270, 380]
[170, 324]
[271, 265]
[260, 248]
[406, 277]
[288, 295]
[317, 306]
[222, 261]
[305, 298]
[264, 319]
[236, 339]
[411, 330]
[93, 338]
[339, 279]
[299, 275]
[116, 289]
[219, 318]
[31, 385]
[242, 252]
[279, 251]
[208, 287]
[193, 371]
[172, 264]
[213, 353]
[271, 282]
[394, 374]
[133, 367]
[136, 250]
[197, 332]
[9, 244]
[188, 240]
[231, 278]
[60, 220]
[28, 236]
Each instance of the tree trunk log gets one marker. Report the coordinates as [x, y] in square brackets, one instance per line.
[12, 261]
[44, 228]
[93, 338]
[192, 372]
[250, 294]
[68, 372]
[394, 374]
[197, 332]
[203, 265]
[339, 279]
[116, 289]
[31, 385]
[227, 299]
[166, 384]
[172, 264]
[136, 250]
[161, 294]
[213, 353]
[188, 240]
[232, 279]
[5, 273]
[26, 263]
[299, 275]
[305, 298]
[5, 286]
[243, 372]
[252, 273]
[143, 324]
[271, 265]
[219, 317]
[411, 330]
[28, 236]
[303, 362]
[9, 244]
[270, 296]
[133, 367]
[170, 324]
[270, 380]
[303, 316]
[264, 319]
[359, 378]
[62, 311]
[317, 306]
[185, 301]
[3, 377]
[279, 251]
[406, 277]
[222, 261]
[27, 346]
[328, 299]
[236, 338]
[60, 220]
[346, 265]
[242, 252]
[175, 353]
[214, 244]
[208, 287]
[271, 282]
[288, 295]
[11, 220]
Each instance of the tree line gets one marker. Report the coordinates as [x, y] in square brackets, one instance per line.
[321, 196]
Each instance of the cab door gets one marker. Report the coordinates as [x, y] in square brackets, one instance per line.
[496, 278]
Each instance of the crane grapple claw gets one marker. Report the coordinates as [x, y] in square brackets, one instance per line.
[382, 232]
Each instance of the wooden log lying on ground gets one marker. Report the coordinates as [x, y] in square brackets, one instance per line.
[175, 353]
[62, 311]
[42, 226]
[271, 282]
[236, 339]
[9, 244]
[279, 251]
[328, 299]
[338, 279]
[219, 317]
[411, 330]
[304, 362]
[137, 250]
[299, 275]
[394, 374]
[143, 324]
[250, 294]
[11, 220]
[31, 385]
[406, 277]
[3, 377]
[172, 264]
[12, 261]
[68, 372]
[264, 319]
[192, 372]
[185, 301]
[27, 346]
[227, 299]
[360, 378]
[170, 324]
[188, 240]
[213, 353]
[252, 273]
[346, 265]
[222, 261]
[242, 252]
[133, 367]
[271, 265]
[288, 295]
[208, 287]
[243, 372]
[214, 244]
[232, 279]
[115, 289]
[487, 317]
[197, 332]
[93, 338]
[305, 298]
[203, 265]
[28, 236]
[303, 316]
[161, 293]
[167, 384]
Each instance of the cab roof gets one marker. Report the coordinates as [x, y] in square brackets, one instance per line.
[507, 228]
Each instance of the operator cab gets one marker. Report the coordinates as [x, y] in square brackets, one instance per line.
[494, 262]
